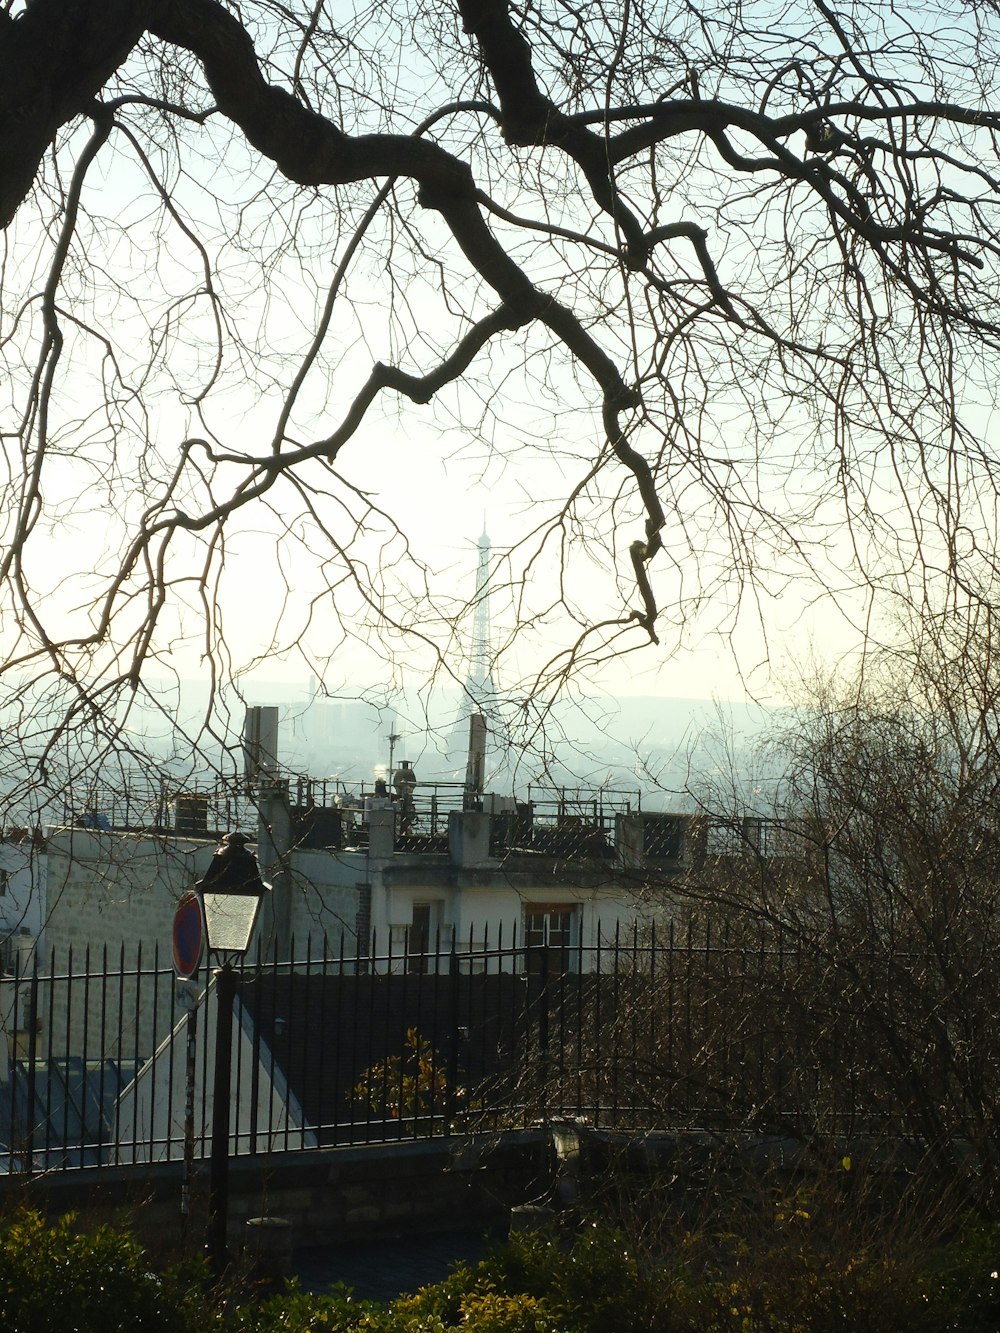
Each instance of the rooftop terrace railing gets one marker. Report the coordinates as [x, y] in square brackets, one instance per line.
[333, 812]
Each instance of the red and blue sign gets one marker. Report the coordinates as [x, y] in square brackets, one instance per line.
[189, 931]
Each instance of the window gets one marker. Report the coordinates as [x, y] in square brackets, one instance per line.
[549, 930]
[420, 938]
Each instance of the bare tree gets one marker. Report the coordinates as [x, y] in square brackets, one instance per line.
[851, 989]
[716, 286]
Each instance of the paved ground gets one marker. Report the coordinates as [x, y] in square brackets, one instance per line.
[389, 1268]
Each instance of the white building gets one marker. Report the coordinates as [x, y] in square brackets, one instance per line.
[22, 920]
[346, 880]
[481, 874]
[23, 870]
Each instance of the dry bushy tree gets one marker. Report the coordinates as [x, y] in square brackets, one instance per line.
[824, 969]
[851, 987]
[716, 284]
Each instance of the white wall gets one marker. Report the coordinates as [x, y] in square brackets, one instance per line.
[118, 892]
[23, 868]
[327, 890]
[150, 1120]
[117, 888]
[123, 888]
[22, 915]
[495, 914]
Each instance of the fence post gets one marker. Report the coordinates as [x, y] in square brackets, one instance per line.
[190, 1075]
[29, 1144]
[218, 1186]
[451, 1075]
[543, 1014]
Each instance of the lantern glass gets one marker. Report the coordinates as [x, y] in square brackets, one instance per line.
[229, 921]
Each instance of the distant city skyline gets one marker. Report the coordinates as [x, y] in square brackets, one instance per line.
[634, 741]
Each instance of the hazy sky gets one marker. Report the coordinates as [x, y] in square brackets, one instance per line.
[744, 599]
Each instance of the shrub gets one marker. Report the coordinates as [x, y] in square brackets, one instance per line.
[961, 1289]
[811, 1269]
[592, 1285]
[56, 1279]
[410, 1086]
[496, 1312]
[295, 1311]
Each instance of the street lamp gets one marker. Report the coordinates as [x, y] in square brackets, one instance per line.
[231, 894]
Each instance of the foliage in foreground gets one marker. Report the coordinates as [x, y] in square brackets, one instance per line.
[57, 1279]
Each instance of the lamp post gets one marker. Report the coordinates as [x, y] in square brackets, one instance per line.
[231, 894]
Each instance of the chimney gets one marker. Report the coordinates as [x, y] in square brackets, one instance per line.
[475, 767]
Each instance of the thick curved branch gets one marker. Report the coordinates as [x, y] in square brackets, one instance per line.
[311, 150]
[530, 119]
[857, 167]
[54, 60]
[306, 147]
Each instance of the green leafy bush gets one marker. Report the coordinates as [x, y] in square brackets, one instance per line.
[593, 1285]
[410, 1086]
[499, 1312]
[294, 1311]
[806, 1272]
[820, 1267]
[961, 1289]
[57, 1279]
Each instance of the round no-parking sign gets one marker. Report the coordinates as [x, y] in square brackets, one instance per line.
[188, 934]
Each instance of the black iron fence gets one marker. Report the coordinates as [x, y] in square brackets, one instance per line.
[109, 1060]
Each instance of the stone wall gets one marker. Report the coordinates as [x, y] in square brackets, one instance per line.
[111, 904]
[330, 1196]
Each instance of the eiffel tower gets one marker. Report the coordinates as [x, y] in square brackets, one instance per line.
[479, 686]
